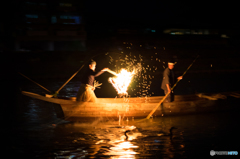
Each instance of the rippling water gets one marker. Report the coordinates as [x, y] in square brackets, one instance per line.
[38, 133]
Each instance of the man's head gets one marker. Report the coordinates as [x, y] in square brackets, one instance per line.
[171, 65]
[92, 65]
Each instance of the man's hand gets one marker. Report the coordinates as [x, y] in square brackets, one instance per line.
[168, 87]
[179, 78]
[169, 90]
[105, 69]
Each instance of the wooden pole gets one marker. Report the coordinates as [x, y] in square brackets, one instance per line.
[68, 80]
[34, 82]
[150, 114]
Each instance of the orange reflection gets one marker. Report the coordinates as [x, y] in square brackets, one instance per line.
[122, 150]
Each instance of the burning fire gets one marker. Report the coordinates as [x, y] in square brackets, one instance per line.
[122, 81]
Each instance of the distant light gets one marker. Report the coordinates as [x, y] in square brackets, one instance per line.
[65, 4]
[177, 33]
[76, 18]
[224, 36]
[153, 31]
[31, 16]
[31, 3]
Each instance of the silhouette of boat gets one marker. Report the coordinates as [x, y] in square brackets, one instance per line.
[138, 107]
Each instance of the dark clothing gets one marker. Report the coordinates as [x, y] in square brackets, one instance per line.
[90, 76]
[168, 78]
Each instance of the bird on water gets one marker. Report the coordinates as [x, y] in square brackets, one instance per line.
[170, 131]
[125, 133]
[170, 134]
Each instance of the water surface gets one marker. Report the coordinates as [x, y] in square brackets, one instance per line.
[36, 132]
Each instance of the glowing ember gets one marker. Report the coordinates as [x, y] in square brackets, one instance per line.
[122, 81]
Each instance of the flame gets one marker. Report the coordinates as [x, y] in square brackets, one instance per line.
[122, 81]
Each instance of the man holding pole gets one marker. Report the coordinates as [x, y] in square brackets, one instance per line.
[168, 81]
[86, 90]
[164, 84]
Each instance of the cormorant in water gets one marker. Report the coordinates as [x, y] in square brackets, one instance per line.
[126, 134]
[170, 132]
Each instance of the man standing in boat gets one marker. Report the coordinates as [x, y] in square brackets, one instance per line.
[86, 90]
[168, 81]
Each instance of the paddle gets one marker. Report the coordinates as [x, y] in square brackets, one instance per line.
[151, 113]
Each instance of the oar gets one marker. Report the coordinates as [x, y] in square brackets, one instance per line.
[34, 82]
[150, 114]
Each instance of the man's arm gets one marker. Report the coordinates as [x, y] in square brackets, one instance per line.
[168, 87]
[100, 72]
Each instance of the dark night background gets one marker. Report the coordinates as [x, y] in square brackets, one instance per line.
[105, 25]
[38, 39]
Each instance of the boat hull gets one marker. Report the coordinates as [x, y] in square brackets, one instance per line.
[136, 110]
[135, 107]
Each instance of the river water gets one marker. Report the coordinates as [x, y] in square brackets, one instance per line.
[36, 132]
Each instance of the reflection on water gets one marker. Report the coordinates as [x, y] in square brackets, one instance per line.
[38, 133]
[122, 150]
[195, 135]
[108, 140]
[122, 147]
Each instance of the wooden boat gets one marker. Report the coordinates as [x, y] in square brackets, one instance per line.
[137, 107]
